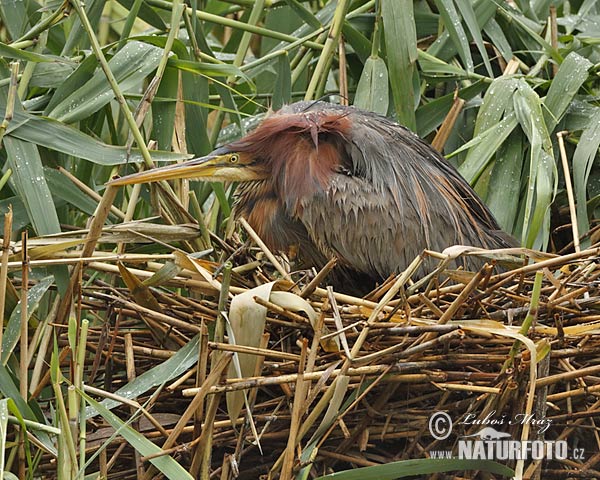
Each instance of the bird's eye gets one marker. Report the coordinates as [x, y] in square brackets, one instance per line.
[234, 158]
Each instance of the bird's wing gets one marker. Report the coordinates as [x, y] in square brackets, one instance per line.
[393, 197]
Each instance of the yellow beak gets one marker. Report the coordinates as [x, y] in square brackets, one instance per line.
[202, 167]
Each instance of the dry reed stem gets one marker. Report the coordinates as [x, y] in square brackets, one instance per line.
[95, 231]
[319, 278]
[445, 129]
[297, 413]
[567, 175]
[265, 249]
[4, 267]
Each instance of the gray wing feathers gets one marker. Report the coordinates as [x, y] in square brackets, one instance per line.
[398, 198]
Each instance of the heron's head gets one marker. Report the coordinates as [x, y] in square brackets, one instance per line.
[222, 165]
[296, 152]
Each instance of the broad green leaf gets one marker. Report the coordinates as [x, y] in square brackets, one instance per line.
[372, 89]
[538, 197]
[505, 181]
[493, 30]
[360, 43]
[483, 147]
[195, 92]
[283, 19]
[165, 463]
[30, 185]
[497, 102]
[431, 115]
[128, 24]
[50, 75]
[421, 466]
[528, 32]
[583, 160]
[163, 113]
[12, 330]
[571, 75]
[324, 16]
[7, 51]
[14, 17]
[73, 82]
[304, 13]
[227, 98]
[178, 47]
[147, 14]
[209, 69]
[468, 15]
[219, 190]
[579, 114]
[282, 92]
[453, 24]
[9, 389]
[175, 366]
[528, 108]
[541, 8]
[542, 169]
[444, 46]
[12, 407]
[77, 38]
[63, 188]
[232, 132]
[3, 431]
[433, 66]
[401, 49]
[130, 66]
[20, 217]
[55, 135]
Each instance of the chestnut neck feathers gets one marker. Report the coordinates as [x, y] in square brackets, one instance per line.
[299, 151]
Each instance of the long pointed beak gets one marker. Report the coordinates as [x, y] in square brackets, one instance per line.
[196, 168]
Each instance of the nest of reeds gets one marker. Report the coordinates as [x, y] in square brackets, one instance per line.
[335, 382]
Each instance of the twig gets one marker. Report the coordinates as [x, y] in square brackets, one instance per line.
[446, 128]
[89, 192]
[265, 249]
[10, 99]
[315, 282]
[4, 266]
[569, 185]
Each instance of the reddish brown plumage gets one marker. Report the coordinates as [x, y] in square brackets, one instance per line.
[291, 147]
[341, 182]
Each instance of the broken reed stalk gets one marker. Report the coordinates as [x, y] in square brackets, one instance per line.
[11, 96]
[264, 248]
[201, 461]
[445, 129]
[24, 337]
[567, 175]
[130, 371]
[4, 266]
[97, 222]
[78, 383]
[202, 455]
[24, 346]
[297, 413]
[233, 385]
[90, 192]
